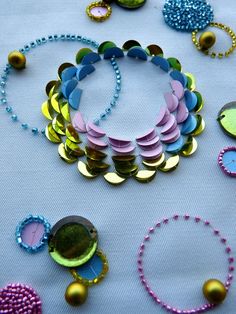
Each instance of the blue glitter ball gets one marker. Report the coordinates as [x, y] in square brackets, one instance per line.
[187, 15]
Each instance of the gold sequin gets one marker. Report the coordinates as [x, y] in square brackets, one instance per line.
[114, 178]
[170, 164]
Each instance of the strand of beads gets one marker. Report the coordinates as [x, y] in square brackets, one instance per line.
[206, 41]
[26, 49]
[116, 94]
[214, 291]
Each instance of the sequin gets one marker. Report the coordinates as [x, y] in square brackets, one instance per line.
[81, 53]
[72, 241]
[175, 147]
[93, 271]
[145, 176]
[227, 118]
[72, 135]
[49, 86]
[200, 126]
[187, 15]
[105, 45]
[55, 103]
[178, 76]
[182, 112]
[170, 164]
[124, 150]
[58, 124]
[65, 155]
[63, 66]
[90, 58]
[154, 164]
[73, 149]
[161, 62]
[84, 70]
[74, 98]
[94, 154]
[113, 178]
[200, 102]
[134, 4]
[78, 123]
[67, 87]
[172, 101]
[83, 169]
[68, 73]
[51, 135]
[131, 43]
[189, 147]
[170, 125]
[96, 166]
[118, 142]
[126, 170]
[163, 116]
[152, 154]
[154, 50]
[47, 110]
[138, 53]
[65, 111]
[174, 63]
[171, 137]
[191, 84]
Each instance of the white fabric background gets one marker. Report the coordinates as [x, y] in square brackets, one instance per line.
[34, 180]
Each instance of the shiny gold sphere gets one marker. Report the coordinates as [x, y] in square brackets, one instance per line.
[214, 291]
[207, 40]
[17, 60]
[76, 294]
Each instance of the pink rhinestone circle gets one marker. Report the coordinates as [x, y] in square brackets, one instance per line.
[229, 278]
[18, 298]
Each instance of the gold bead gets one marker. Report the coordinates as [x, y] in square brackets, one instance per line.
[17, 60]
[76, 293]
[214, 291]
[207, 40]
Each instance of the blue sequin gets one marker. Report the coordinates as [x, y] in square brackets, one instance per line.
[187, 15]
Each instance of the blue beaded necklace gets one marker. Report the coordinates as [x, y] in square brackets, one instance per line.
[41, 41]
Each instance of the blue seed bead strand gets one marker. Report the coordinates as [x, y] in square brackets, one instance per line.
[115, 96]
[26, 49]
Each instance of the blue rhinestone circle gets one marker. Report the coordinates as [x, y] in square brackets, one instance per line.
[31, 219]
[187, 15]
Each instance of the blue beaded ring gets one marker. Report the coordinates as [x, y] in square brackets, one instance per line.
[33, 239]
[188, 15]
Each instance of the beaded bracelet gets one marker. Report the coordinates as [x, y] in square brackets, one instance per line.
[214, 291]
[24, 51]
[183, 100]
[195, 15]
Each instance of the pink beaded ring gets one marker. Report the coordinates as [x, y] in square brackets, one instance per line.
[17, 298]
[213, 289]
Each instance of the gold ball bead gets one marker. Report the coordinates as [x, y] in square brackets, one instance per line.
[76, 294]
[207, 40]
[214, 291]
[17, 60]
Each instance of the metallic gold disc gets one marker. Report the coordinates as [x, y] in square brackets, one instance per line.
[171, 164]
[49, 86]
[114, 178]
[72, 241]
[51, 135]
[81, 53]
[154, 50]
[145, 176]
[65, 155]
[130, 44]
[83, 169]
[94, 154]
[73, 149]
[55, 103]
[175, 64]
[227, 118]
[63, 66]
[200, 126]
[47, 110]
[189, 148]
[154, 164]
[72, 134]
[65, 110]
[200, 102]
[88, 274]
[191, 84]
[58, 124]
[97, 166]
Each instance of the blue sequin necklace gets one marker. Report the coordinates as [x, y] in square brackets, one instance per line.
[193, 16]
